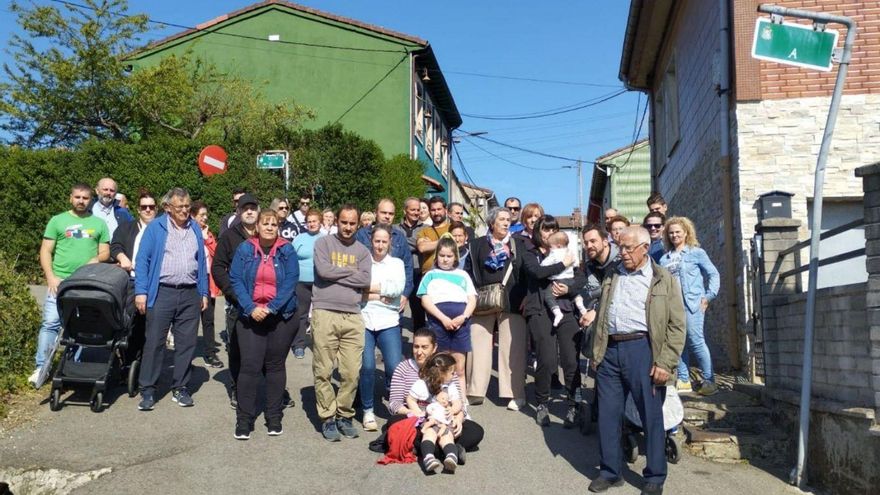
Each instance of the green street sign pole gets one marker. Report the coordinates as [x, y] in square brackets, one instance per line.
[276, 160]
[816, 61]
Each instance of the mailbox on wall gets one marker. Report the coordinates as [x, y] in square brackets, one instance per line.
[774, 204]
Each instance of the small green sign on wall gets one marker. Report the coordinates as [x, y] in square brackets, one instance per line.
[794, 44]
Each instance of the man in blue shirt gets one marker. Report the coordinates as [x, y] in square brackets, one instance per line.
[653, 222]
[399, 246]
[515, 206]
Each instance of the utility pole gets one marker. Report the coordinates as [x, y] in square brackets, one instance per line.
[580, 186]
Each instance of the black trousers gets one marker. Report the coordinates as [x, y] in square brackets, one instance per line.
[415, 304]
[208, 332]
[301, 316]
[232, 349]
[563, 342]
[471, 435]
[180, 310]
[264, 345]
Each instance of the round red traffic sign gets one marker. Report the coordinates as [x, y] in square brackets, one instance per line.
[212, 160]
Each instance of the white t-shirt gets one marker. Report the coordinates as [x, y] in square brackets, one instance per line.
[557, 255]
[447, 286]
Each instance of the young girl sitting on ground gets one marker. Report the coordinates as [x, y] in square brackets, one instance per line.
[449, 298]
[427, 395]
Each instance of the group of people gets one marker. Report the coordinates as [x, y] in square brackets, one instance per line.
[341, 280]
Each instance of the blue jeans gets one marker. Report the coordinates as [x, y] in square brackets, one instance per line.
[390, 344]
[625, 371]
[48, 330]
[695, 343]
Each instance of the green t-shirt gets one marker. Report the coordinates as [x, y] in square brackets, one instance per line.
[76, 241]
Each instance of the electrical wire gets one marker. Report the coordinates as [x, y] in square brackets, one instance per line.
[549, 113]
[635, 138]
[484, 150]
[372, 88]
[525, 79]
[234, 35]
[467, 134]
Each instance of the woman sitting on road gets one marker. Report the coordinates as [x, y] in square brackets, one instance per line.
[381, 320]
[264, 272]
[467, 433]
[700, 281]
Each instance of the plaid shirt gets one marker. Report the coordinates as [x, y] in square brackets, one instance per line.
[627, 312]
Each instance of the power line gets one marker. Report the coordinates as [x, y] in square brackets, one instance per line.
[549, 113]
[526, 150]
[636, 137]
[484, 150]
[234, 35]
[526, 79]
[372, 88]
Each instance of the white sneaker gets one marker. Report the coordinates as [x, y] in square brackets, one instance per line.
[515, 404]
[369, 421]
[33, 378]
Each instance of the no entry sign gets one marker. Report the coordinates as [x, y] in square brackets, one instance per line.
[212, 160]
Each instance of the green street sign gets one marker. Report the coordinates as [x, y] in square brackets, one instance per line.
[794, 44]
[271, 160]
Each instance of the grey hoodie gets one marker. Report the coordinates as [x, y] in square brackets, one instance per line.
[341, 273]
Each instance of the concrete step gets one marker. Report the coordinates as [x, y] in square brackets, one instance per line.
[732, 426]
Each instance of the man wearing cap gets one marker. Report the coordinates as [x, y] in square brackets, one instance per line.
[247, 212]
[106, 207]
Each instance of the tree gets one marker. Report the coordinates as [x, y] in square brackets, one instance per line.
[401, 178]
[67, 81]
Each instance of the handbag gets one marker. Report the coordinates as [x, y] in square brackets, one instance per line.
[492, 298]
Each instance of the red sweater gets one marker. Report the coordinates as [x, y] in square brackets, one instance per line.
[264, 285]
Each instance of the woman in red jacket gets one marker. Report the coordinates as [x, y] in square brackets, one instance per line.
[199, 213]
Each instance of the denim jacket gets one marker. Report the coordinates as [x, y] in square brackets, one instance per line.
[243, 274]
[697, 275]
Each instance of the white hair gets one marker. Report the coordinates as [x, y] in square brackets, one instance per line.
[639, 233]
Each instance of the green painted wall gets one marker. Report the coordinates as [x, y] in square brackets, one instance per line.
[328, 81]
[630, 186]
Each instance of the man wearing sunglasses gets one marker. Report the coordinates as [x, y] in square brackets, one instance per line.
[653, 223]
[231, 218]
[298, 216]
[515, 206]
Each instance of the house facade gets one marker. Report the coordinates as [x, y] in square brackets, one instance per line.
[384, 85]
[727, 128]
[621, 180]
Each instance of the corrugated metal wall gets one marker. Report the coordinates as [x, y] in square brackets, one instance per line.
[631, 184]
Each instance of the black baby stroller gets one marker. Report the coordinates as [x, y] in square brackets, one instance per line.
[96, 307]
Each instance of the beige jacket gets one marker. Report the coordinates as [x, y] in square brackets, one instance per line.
[666, 320]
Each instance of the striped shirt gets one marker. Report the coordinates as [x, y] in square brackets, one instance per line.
[627, 313]
[405, 375]
[179, 263]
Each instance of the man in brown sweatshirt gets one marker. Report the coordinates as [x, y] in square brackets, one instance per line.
[342, 271]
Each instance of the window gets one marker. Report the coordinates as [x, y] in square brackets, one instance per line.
[439, 137]
[429, 127]
[419, 113]
[666, 130]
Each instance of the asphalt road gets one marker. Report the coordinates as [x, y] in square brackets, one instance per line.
[174, 450]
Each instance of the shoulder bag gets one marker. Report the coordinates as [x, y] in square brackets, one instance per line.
[492, 298]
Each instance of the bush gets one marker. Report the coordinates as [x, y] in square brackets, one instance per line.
[336, 165]
[19, 323]
[402, 178]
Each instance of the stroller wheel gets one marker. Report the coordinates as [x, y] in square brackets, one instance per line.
[586, 417]
[673, 449]
[55, 400]
[133, 372]
[97, 403]
[630, 448]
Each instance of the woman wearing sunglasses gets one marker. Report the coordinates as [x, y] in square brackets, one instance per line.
[287, 230]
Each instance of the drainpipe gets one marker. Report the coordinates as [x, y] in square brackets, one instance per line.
[412, 97]
[727, 185]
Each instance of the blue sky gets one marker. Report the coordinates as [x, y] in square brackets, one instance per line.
[570, 41]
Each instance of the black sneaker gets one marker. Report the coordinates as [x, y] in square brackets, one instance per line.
[330, 431]
[287, 400]
[461, 454]
[542, 415]
[233, 399]
[571, 417]
[242, 430]
[601, 484]
[212, 360]
[147, 401]
[652, 489]
[274, 427]
[182, 397]
[346, 427]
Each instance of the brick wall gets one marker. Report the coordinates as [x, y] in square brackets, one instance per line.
[777, 81]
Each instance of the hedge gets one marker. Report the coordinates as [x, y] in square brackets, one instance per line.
[339, 166]
[19, 323]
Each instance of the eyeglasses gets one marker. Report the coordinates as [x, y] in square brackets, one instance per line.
[146, 207]
[179, 207]
[283, 207]
[304, 203]
[653, 226]
[629, 249]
